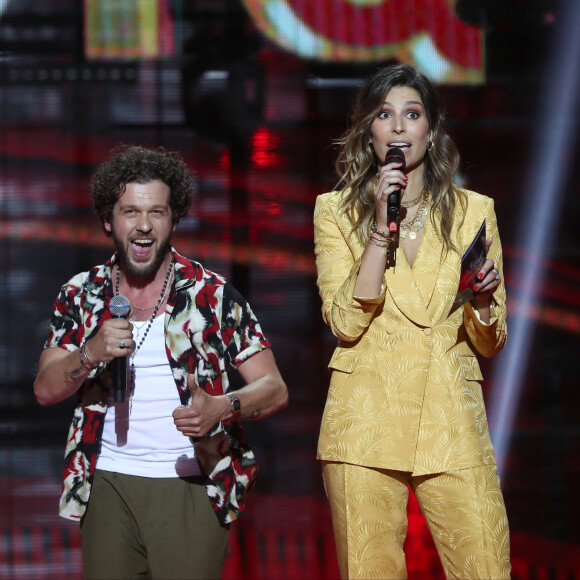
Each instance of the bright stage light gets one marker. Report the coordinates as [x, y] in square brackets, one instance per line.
[553, 139]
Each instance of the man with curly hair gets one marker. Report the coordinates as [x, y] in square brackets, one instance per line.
[146, 473]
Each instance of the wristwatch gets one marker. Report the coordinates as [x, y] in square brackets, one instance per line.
[235, 405]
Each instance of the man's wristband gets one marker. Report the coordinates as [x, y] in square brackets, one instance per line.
[86, 359]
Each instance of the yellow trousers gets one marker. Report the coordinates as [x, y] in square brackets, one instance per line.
[464, 510]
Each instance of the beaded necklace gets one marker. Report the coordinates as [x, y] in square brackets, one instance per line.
[158, 305]
[149, 323]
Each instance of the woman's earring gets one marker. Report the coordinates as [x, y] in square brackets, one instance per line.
[430, 145]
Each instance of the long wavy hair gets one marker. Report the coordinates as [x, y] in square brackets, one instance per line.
[357, 165]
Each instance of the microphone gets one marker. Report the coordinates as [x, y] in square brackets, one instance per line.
[394, 155]
[120, 308]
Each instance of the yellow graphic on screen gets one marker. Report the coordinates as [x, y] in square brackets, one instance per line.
[128, 29]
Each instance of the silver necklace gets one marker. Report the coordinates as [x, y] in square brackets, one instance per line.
[157, 306]
[143, 309]
[138, 328]
[148, 324]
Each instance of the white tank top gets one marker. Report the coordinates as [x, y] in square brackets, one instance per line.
[139, 436]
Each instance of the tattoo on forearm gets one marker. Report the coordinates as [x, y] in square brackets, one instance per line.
[251, 414]
[71, 377]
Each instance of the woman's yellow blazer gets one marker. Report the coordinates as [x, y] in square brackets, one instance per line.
[405, 387]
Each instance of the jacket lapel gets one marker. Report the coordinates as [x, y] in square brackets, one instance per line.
[402, 285]
[406, 292]
[428, 262]
[425, 292]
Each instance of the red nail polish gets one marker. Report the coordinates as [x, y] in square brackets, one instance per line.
[480, 276]
[476, 287]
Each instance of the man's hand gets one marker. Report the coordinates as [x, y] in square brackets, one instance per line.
[114, 339]
[203, 413]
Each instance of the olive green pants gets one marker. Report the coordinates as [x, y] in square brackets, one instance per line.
[464, 510]
[159, 529]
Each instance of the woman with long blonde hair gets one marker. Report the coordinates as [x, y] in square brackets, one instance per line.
[405, 407]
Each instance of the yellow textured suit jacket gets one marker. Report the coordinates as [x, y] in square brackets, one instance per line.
[405, 391]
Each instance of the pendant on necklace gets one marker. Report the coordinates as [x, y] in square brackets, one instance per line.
[138, 329]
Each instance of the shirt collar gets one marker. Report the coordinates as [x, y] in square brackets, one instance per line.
[186, 274]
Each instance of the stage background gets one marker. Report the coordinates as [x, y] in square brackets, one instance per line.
[253, 94]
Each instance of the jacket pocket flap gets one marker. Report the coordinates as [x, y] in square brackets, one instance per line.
[343, 359]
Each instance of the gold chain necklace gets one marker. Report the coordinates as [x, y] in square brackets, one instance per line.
[413, 202]
[410, 229]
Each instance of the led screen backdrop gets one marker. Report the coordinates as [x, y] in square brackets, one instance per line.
[425, 33]
[128, 29]
[233, 85]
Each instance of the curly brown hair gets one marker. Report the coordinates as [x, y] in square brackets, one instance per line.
[356, 164]
[133, 163]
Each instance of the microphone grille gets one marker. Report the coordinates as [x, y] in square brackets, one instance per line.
[119, 306]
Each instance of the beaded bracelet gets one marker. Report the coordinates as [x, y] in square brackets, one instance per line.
[386, 246]
[378, 232]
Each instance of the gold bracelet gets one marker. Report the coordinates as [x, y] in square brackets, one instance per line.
[374, 230]
[376, 243]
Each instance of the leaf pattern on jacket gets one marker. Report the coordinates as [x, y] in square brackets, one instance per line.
[405, 377]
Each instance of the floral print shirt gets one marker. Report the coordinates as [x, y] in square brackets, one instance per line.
[209, 329]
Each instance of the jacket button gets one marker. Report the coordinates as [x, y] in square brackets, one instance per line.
[427, 331]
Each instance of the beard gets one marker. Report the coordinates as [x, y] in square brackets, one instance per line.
[146, 270]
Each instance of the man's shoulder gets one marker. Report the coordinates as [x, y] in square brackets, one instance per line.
[89, 278]
[191, 270]
[202, 281]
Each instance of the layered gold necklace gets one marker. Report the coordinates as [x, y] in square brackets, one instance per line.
[413, 202]
[411, 228]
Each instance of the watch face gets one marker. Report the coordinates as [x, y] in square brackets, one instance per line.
[235, 403]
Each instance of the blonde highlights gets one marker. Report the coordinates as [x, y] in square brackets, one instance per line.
[356, 163]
